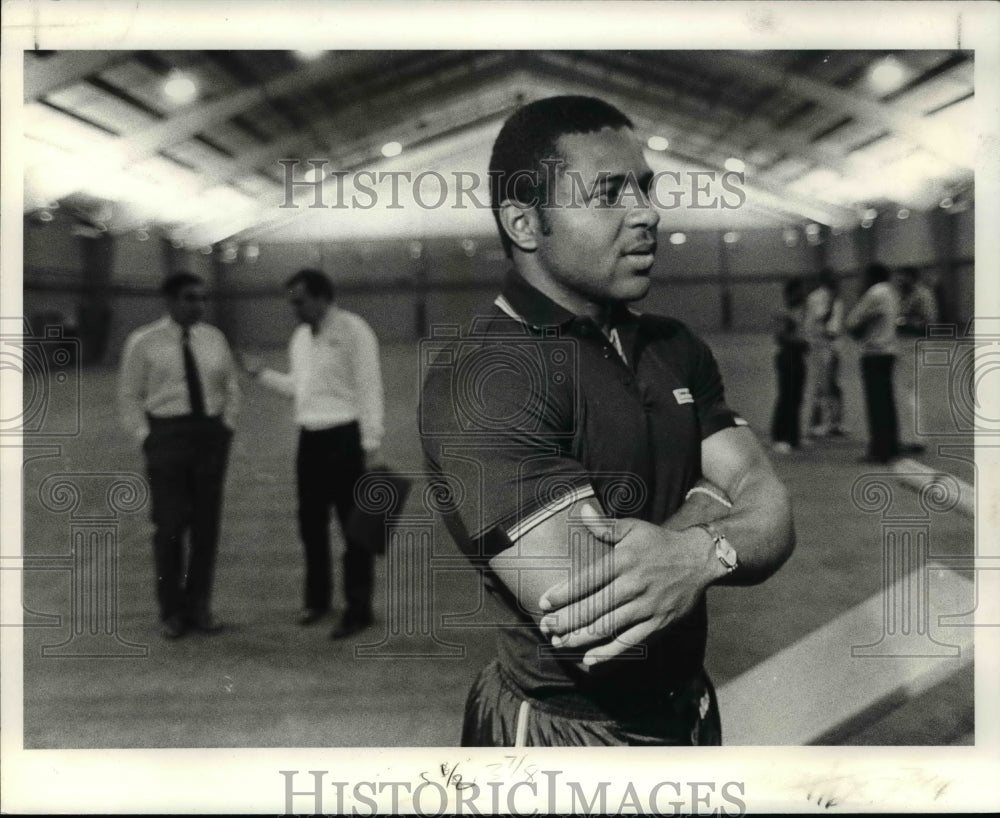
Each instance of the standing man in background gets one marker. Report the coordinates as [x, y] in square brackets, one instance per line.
[178, 395]
[790, 367]
[824, 324]
[872, 323]
[918, 309]
[336, 381]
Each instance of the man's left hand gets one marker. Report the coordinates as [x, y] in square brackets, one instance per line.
[651, 578]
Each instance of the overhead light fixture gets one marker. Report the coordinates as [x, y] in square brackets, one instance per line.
[390, 149]
[678, 238]
[735, 165]
[44, 216]
[731, 237]
[870, 214]
[812, 229]
[866, 223]
[657, 143]
[180, 88]
[947, 202]
[887, 75]
[903, 213]
[142, 234]
[314, 174]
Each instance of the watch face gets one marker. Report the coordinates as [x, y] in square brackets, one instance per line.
[726, 554]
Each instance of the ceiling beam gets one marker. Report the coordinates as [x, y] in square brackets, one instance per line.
[678, 113]
[932, 136]
[43, 76]
[497, 71]
[184, 125]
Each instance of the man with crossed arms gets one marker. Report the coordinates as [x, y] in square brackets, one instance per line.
[607, 650]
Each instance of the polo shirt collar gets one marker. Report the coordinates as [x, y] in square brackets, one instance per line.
[538, 310]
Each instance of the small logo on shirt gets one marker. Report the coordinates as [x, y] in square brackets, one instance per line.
[683, 395]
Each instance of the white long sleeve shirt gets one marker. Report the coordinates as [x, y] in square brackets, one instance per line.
[334, 376]
[876, 313]
[151, 377]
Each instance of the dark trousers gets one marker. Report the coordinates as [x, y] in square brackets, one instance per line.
[880, 404]
[186, 465]
[498, 714]
[790, 364]
[328, 466]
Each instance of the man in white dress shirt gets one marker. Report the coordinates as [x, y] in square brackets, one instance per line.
[336, 382]
[178, 396]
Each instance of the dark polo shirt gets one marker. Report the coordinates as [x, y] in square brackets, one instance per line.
[534, 408]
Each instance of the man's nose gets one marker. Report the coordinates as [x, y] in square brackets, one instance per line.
[643, 214]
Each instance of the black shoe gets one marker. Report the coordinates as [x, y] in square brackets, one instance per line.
[351, 625]
[205, 623]
[310, 616]
[172, 627]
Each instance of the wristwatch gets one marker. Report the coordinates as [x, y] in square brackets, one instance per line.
[723, 550]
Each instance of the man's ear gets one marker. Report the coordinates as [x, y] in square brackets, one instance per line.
[521, 224]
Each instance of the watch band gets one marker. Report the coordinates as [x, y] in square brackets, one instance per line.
[725, 553]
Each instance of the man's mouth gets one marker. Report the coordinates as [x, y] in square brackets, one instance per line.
[643, 252]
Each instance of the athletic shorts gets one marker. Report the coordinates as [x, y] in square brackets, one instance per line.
[499, 714]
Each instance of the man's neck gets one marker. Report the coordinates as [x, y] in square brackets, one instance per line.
[575, 303]
[316, 326]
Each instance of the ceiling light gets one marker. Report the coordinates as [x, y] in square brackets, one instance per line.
[180, 88]
[887, 75]
[392, 149]
[870, 214]
[735, 165]
[314, 174]
[44, 216]
[812, 229]
[866, 223]
[903, 213]
[658, 143]
[678, 238]
[142, 234]
[731, 237]
[947, 202]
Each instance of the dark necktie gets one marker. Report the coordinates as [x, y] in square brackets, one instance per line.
[195, 394]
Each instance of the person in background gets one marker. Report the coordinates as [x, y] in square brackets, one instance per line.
[872, 323]
[824, 325]
[790, 364]
[917, 303]
[179, 393]
[918, 309]
[335, 379]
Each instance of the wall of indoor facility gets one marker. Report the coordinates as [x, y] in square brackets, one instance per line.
[101, 286]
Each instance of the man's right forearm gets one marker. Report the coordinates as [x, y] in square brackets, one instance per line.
[705, 503]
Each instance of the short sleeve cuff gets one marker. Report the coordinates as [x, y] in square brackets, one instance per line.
[526, 523]
[724, 418]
